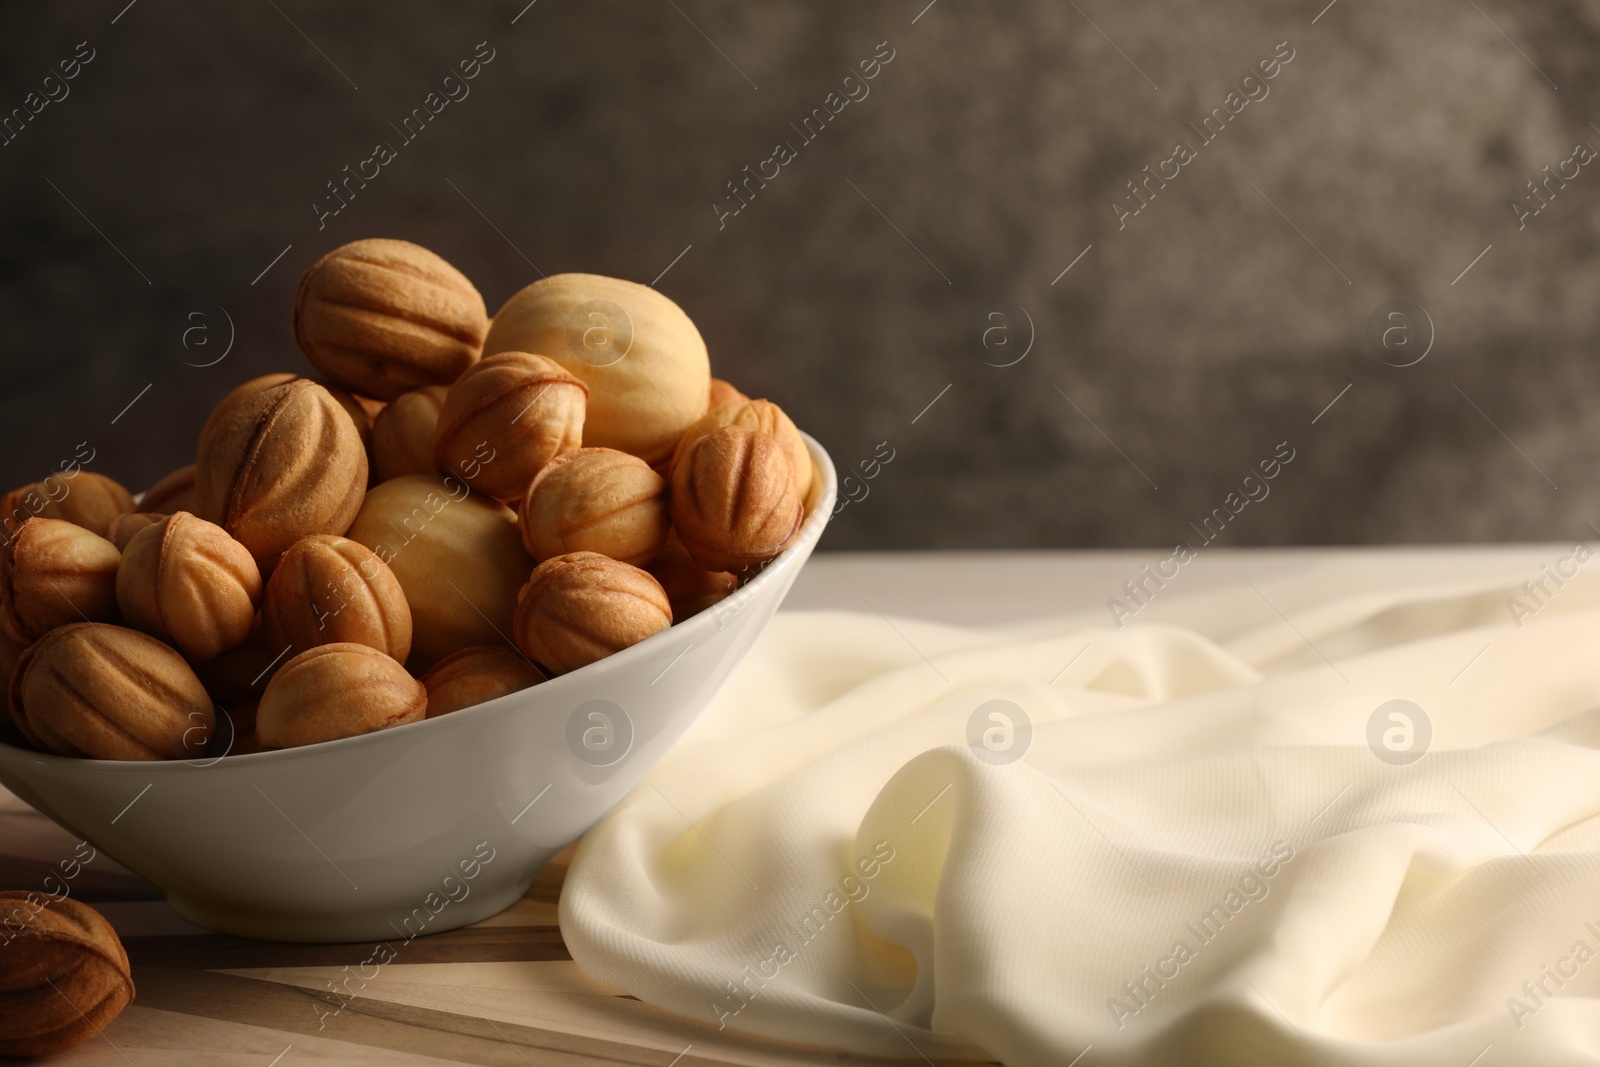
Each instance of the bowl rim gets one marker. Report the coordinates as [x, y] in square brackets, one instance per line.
[824, 491]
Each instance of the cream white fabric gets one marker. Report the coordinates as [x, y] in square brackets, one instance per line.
[1199, 859]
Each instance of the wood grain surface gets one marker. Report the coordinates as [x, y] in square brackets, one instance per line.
[502, 992]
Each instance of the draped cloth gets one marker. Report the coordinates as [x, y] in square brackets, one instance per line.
[1343, 817]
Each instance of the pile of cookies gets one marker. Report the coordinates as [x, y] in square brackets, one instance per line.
[452, 509]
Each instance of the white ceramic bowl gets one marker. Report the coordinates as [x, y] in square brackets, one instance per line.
[420, 828]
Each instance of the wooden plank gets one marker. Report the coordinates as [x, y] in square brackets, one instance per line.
[456, 1037]
[473, 944]
[396, 981]
[558, 997]
[148, 1037]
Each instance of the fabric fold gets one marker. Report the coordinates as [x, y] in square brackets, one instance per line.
[1315, 820]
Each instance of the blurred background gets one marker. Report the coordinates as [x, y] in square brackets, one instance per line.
[1347, 264]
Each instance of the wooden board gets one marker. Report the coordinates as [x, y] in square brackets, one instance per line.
[502, 992]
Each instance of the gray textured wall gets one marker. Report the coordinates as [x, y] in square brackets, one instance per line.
[1172, 358]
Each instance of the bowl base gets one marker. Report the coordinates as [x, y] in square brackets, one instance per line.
[355, 928]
